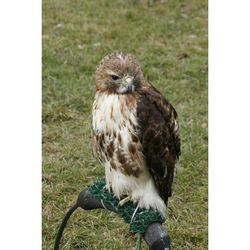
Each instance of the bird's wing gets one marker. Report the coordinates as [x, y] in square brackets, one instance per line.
[159, 135]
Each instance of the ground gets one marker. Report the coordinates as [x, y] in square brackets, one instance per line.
[169, 39]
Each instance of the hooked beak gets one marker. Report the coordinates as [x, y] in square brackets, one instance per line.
[128, 83]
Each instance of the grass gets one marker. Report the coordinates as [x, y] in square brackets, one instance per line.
[169, 39]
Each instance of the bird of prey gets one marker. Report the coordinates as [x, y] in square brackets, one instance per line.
[134, 133]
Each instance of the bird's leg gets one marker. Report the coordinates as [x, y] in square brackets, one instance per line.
[124, 200]
[107, 186]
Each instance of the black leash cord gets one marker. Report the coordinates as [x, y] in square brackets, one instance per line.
[63, 224]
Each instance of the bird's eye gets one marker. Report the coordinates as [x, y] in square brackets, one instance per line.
[115, 77]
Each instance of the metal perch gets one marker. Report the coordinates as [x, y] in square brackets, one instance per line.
[155, 236]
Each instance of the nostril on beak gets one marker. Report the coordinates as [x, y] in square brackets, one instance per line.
[129, 80]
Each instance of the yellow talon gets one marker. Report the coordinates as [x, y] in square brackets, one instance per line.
[123, 201]
[107, 187]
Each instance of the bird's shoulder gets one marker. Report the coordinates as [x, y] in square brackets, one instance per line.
[157, 116]
[152, 102]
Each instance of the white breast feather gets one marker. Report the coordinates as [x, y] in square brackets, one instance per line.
[142, 188]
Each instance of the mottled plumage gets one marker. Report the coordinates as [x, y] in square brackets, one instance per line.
[134, 133]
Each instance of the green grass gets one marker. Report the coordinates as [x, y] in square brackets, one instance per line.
[169, 39]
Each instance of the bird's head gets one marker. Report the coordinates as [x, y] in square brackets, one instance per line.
[118, 73]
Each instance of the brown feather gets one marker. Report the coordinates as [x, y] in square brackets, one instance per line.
[160, 142]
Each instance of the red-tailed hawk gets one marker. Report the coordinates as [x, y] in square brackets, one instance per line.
[134, 133]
